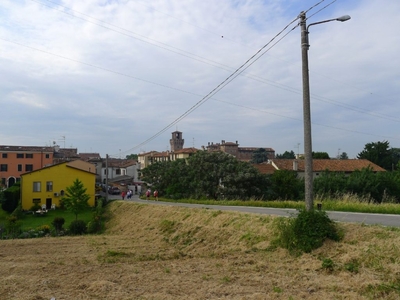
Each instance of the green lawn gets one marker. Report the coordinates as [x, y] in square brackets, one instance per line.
[31, 221]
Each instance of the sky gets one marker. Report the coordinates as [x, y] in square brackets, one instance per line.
[117, 77]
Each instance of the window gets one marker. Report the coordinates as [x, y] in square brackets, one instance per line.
[19, 168]
[20, 155]
[36, 201]
[62, 193]
[118, 172]
[36, 186]
[4, 155]
[49, 186]
[29, 155]
[28, 168]
[47, 155]
[3, 168]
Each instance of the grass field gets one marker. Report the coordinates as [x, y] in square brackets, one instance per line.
[163, 252]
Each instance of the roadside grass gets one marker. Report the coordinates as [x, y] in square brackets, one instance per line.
[31, 221]
[327, 204]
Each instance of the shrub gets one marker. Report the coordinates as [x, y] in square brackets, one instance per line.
[13, 227]
[96, 224]
[306, 232]
[311, 228]
[77, 227]
[44, 228]
[58, 223]
[18, 213]
[35, 207]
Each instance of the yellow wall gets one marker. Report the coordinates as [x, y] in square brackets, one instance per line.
[62, 176]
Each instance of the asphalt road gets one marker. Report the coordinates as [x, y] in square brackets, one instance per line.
[364, 218]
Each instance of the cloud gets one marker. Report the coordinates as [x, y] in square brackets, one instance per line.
[109, 75]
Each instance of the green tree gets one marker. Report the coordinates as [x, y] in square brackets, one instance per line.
[76, 199]
[206, 174]
[395, 158]
[259, 156]
[286, 185]
[320, 155]
[11, 197]
[379, 153]
[132, 156]
[286, 155]
[330, 184]
[343, 155]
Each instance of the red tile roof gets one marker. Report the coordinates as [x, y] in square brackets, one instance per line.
[335, 165]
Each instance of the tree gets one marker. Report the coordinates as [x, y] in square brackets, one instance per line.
[132, 156]
[286, 185]
[379, 153]
[286, 155]
[76, 199]
[10, 198]
[206, 174]
[320, 155]
[259, 156]
[343, 155]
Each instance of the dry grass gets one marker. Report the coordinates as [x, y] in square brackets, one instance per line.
[156, 252]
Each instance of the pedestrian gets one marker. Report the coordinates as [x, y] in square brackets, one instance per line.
[148, 193]
[156, 195]
[129, 194]
[123, 195]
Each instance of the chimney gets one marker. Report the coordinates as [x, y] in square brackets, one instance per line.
[295, 165]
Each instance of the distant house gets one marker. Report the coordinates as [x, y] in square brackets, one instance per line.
[16, 160]
[119, 170]
[47, 185]
[346, 166]
[241, 153]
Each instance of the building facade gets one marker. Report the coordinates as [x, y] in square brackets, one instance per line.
[16, 160]
[241, 153]
[47, 185]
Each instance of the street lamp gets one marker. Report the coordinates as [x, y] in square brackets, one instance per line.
[308, 164]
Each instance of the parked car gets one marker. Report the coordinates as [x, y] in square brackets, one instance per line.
[114, 190]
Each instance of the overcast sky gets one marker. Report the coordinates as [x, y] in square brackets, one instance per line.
[117, 77]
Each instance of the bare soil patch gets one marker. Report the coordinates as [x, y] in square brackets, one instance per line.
[156, 252]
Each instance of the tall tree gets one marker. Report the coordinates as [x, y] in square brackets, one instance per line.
[76, 199]
[320, 155]
[286, 155]
[343, 155]
[379, 153]
[259, 156]
[206, 174]
[132, 156]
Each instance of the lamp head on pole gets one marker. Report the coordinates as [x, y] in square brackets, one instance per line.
[343, 18]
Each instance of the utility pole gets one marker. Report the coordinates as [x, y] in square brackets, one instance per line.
[308, 163]
[106, 178]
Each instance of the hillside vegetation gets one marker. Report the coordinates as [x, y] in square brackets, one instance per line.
[163, 252]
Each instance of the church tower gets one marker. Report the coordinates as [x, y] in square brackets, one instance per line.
[176, 142]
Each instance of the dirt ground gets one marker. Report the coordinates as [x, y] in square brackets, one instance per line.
[155, 252]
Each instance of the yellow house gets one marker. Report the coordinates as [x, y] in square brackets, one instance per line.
[47, 186]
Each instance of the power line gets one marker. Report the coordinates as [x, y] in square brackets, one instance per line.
[207, 61]
[225, 82]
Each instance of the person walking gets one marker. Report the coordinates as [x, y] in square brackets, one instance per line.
[123, 195]
[156, 195]
[148, 193]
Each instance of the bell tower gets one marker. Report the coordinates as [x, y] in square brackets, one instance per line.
[176, 142]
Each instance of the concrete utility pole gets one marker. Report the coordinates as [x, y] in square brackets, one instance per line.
[308, 162]
[106, 178]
